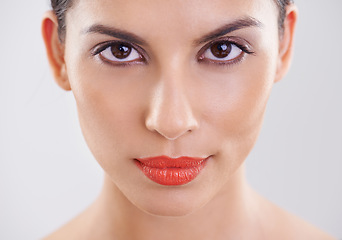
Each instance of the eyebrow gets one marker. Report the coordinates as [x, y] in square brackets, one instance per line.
[133, 38]
[116, 33]
[230, 27]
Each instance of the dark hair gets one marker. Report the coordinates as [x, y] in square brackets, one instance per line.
[282, 12]
[60, 8]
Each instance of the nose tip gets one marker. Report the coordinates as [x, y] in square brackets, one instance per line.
[170, 114]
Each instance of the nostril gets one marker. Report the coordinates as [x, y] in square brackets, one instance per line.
[171, 127]
[172, 136]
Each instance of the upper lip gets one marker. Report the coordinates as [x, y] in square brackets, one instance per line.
[169, 162]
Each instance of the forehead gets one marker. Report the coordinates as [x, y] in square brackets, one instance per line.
[155, 17]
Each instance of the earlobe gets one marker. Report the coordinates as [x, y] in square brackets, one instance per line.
[286, 42]
[55, 50]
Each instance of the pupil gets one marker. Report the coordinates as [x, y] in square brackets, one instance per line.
[221, 49]
[121, 51]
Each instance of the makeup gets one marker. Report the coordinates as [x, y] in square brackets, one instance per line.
[171, 171]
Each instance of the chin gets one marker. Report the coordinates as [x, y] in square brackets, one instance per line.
[170, 211]
[173, 201]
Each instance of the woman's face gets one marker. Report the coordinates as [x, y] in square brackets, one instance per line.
[171, 78]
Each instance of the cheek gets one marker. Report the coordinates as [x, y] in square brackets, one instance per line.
[235, 103]
[110, 107]
[236, 100]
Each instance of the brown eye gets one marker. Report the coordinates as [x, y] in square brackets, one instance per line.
[121, 51]
[222, 52]
[118, 52]
[221, 49]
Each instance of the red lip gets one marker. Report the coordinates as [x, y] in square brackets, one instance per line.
[171, 171]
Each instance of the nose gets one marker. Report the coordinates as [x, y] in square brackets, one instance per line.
[170, 111]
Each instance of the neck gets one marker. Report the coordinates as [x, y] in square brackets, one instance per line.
[229, 212]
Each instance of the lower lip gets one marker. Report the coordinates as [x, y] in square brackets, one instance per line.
[171, 172]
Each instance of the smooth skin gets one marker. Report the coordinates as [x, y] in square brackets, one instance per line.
[172, 98]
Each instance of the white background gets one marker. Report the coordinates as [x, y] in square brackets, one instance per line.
[47, 174]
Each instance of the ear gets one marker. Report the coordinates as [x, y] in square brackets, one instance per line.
[286, 42]
[55, 50]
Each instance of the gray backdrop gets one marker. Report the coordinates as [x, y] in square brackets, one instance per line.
[47, 174]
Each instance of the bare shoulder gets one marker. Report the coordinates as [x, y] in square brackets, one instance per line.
[68, 231]
[276, 223]
[304, 230]
[292, 227]
[83, 227]
[74, 229]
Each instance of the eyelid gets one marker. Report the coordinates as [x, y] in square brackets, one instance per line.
[241, 43]
[97, 49]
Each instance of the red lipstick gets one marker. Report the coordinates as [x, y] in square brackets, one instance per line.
[171, 171]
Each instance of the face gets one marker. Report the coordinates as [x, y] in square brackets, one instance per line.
[171, 78]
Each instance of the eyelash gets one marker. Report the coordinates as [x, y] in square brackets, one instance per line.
[100, 48]
[244, 47]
